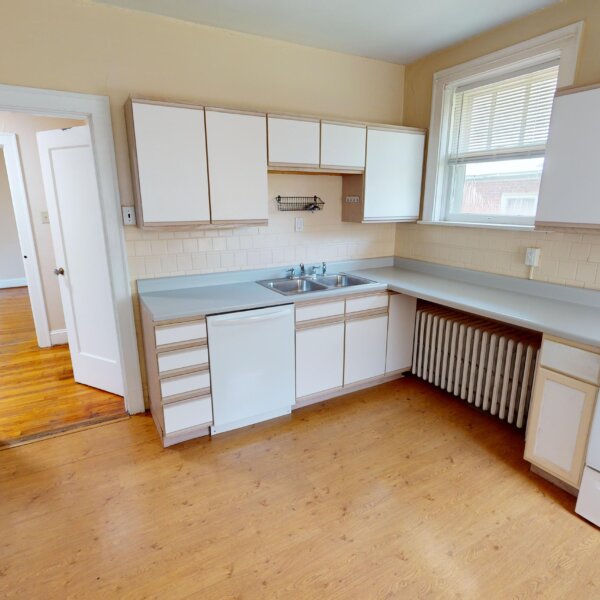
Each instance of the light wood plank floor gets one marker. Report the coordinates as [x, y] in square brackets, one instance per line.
[38, 395]
[400, 491]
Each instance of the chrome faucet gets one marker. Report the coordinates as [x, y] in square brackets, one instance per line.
[302, 272]
[324, 267]
[291, 272]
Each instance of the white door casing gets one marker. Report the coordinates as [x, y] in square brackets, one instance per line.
[71, 188]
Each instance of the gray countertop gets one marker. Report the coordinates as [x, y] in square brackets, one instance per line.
[567, 313]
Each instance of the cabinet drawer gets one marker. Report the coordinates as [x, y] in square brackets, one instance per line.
[182, 359]
[573, 361]
[183, 384]
[180, 332]
[366, 303]
[188, 413]
[319, 311]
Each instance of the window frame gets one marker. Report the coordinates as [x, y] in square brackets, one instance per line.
[561, 44]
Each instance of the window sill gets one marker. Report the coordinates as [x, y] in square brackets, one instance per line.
[496, 226]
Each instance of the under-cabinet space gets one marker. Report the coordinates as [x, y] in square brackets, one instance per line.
[401, 331]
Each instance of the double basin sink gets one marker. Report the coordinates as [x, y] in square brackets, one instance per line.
[312, 283]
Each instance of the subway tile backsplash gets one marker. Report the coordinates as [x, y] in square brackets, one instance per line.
[568, 258]
[325, 237]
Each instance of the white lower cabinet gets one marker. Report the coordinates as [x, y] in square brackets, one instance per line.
[319, 358]
[559, 424]
[365, 348]
[186, 414]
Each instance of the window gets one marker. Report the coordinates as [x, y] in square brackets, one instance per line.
[490, 122]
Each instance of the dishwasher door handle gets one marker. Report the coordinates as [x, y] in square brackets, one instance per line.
[224, 320]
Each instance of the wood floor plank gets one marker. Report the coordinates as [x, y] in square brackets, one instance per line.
[38, 394]
[399, 491]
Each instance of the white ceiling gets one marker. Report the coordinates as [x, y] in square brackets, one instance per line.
[398, 31]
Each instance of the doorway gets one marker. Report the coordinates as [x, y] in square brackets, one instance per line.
[43, 364]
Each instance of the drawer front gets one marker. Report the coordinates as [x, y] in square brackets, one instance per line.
[188, 413]
[366, 303]
[572, 361]
[588, 500]
[319, 311]
[182, 359]
[180, 332]
[183, 384]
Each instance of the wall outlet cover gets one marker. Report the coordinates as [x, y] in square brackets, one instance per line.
[532, 257]
[45, 217]
[299, 224]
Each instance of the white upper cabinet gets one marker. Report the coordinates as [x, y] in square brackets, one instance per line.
[168, 155]
[393, 173]
[571, 178]
[237, 165]
[343, 146]
[293, 141]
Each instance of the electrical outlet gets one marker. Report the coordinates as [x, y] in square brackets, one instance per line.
[299, 224]
[128, 215]
[532, 257]
[45, 217]
[352, 199]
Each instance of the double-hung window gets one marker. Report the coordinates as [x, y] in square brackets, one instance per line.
[490, 123]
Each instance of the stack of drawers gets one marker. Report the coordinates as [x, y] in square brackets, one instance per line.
[178, 378]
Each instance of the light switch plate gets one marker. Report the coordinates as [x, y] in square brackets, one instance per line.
[128, 215]
[299, 224]
[45, 217]
[352, 199]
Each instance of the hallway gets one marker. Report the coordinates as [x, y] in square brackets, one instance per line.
[38, 395]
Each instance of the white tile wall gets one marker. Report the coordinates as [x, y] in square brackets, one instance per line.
[567, 258]
[325, 237]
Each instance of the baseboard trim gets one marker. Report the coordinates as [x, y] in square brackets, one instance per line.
[58, 337]
[13, 283]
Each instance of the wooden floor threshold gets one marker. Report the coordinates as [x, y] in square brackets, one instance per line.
[67, 429]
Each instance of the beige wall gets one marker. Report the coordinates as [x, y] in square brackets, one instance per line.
[567, 258]
[325, 237]
[26, 126]
[11, 262]
[85, 47]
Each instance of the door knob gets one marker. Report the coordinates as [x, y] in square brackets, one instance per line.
[59, 271]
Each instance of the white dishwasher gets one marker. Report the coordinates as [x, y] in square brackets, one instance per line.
[252, 366]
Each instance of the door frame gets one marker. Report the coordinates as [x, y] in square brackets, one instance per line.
[20, 203]
[96, 111]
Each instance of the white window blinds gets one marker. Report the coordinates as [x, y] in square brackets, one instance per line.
[506, 118]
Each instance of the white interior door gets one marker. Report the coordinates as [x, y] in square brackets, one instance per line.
[71, 188]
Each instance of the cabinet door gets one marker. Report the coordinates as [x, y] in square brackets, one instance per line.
[170, 153]
[571, 162]
[343, 145]
[559, 424]
[237, 166]
[293, 141]
[365, 348]
[319, 359]
[393, 174]
[401, 331]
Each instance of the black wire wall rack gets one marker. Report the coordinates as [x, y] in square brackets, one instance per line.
[299, 203]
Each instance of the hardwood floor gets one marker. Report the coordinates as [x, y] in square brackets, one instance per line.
[399, 491]
[38, 395]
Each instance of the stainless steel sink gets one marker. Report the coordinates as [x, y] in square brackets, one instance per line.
[288, 287]
[312, 283]
[340, 280]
